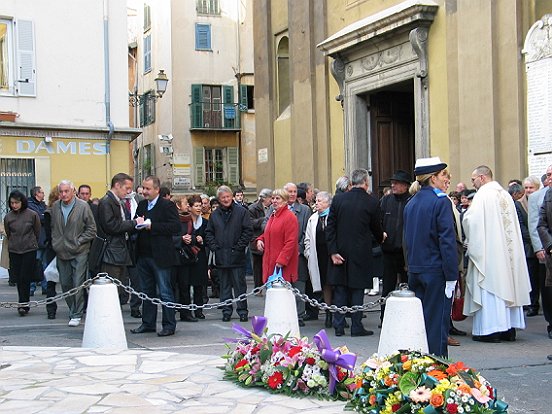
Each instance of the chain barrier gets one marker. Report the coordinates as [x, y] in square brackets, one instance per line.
[192, 307]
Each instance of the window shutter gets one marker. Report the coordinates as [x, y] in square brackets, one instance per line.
[243, 98]
[197, 111]
[228, 99]
[203, 36]
[26, 62]
[147, 53]
[233, 165]
[199, 166]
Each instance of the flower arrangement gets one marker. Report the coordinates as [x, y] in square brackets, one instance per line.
[293, 366]
[413, 382]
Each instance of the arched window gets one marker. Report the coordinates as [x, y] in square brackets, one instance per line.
[282, 62]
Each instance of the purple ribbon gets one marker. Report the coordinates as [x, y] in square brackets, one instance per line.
[333, 357]
[257, 322]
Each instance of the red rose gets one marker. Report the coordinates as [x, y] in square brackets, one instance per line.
[310, 361]
[294, 351]
[275, 379]
[240, 364]
[452, 408]
[491, 393]
[341, 375]
[395, 407]
[404, 358]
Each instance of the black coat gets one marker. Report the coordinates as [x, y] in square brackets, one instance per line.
[164, 225]
[353, 220]
[257, 213]
[228, 234]
[392, 207]
[194, 274]
[116, 230]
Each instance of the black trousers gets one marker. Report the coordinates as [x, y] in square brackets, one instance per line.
[232, 279]
[257, 269]
[22, 266]
[344, 296]
[393, 272]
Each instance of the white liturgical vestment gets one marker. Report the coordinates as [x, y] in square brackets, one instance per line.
[497, 280]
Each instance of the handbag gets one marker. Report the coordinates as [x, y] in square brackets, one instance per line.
[38, 274]
[458, 302]
[275, 276]
[188, 253]
[97, 252]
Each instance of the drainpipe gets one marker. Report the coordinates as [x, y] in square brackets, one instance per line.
[107, 94]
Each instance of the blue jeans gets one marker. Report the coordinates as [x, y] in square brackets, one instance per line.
[41, 255]
[154, 278]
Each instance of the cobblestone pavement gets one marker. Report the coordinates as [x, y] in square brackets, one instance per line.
[76, 380]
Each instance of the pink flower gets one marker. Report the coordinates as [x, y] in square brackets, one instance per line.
[420, 394]
[479, 396]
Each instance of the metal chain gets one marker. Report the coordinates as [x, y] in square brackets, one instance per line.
[192, 307]
[47, 301]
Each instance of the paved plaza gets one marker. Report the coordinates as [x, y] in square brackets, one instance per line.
[44, 370]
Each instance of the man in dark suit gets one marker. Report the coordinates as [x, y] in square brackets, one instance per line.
[353, 220]
[113, 226]
[156, 255]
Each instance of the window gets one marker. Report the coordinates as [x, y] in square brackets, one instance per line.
[208, 7]
[147, 109]
[147, 53]
[216, 166]
[247, 100]
[284, 93]
[147, 18]
[202, 36]
[213, 107]
[147, 161]
[17, 58]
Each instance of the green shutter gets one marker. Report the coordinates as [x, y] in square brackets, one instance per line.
[243, 98]
[228, 99]
[199, 166]
[196, 109]
[233, 165]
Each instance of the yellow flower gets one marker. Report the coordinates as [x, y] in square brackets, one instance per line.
[407, 365]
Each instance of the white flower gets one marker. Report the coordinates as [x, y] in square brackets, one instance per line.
[460, 409]
[450, 400]
[465, 398]
[467, 409]
[452, 394]
[471, 401]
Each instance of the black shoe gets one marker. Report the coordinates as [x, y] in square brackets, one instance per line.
[51, 315]
[44, 292]
[301, 322]
[244, 318]
[188, 318]
[457, 332]
[532, 312]
[339, 332]
[509, 335]
[199, 314]
[142, 329]
[226, 318]
[310, 317]
[364, 332]
[22, 311]
[165, 332]
[492, 338]
[549, 329]
[329, 320]
[135, 313]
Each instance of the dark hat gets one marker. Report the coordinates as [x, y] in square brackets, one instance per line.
[401, 175]
[428, 165]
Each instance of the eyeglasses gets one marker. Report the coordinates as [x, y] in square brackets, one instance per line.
[475, 178]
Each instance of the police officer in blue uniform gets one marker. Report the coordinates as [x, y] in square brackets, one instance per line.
[431, 254]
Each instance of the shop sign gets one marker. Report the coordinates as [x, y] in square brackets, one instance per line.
[29, 146]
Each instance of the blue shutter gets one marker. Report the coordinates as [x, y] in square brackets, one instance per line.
[229, 107]
[147, 53]
[196, 107]
[202, 36]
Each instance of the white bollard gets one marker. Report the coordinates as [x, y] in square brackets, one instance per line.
[403, 324]
[104, 322]
[281, 311]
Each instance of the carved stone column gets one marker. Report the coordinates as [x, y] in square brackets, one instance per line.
[418, 40]
[337, 69]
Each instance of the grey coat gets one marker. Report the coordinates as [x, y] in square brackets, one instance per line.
[545, 233]
[72, 239]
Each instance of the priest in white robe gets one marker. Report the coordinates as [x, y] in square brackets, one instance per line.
[497, 280]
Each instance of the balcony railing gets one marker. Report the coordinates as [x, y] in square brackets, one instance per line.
[218, 116]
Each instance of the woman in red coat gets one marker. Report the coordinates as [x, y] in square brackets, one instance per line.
[280, 239]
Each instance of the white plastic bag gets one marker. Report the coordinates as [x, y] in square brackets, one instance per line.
[51, 272]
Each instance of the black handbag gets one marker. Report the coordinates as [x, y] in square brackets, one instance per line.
[188, 254]
[38, 274]
[97, 252]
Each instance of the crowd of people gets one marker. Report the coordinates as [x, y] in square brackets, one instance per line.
[497, 242]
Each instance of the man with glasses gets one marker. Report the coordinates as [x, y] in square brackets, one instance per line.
[497, 281]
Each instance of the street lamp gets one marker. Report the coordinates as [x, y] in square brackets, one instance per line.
[161, 82]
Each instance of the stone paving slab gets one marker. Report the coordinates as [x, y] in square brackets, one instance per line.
[77, 380]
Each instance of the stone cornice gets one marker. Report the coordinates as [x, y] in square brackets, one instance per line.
[402, 17]
[65, 131]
